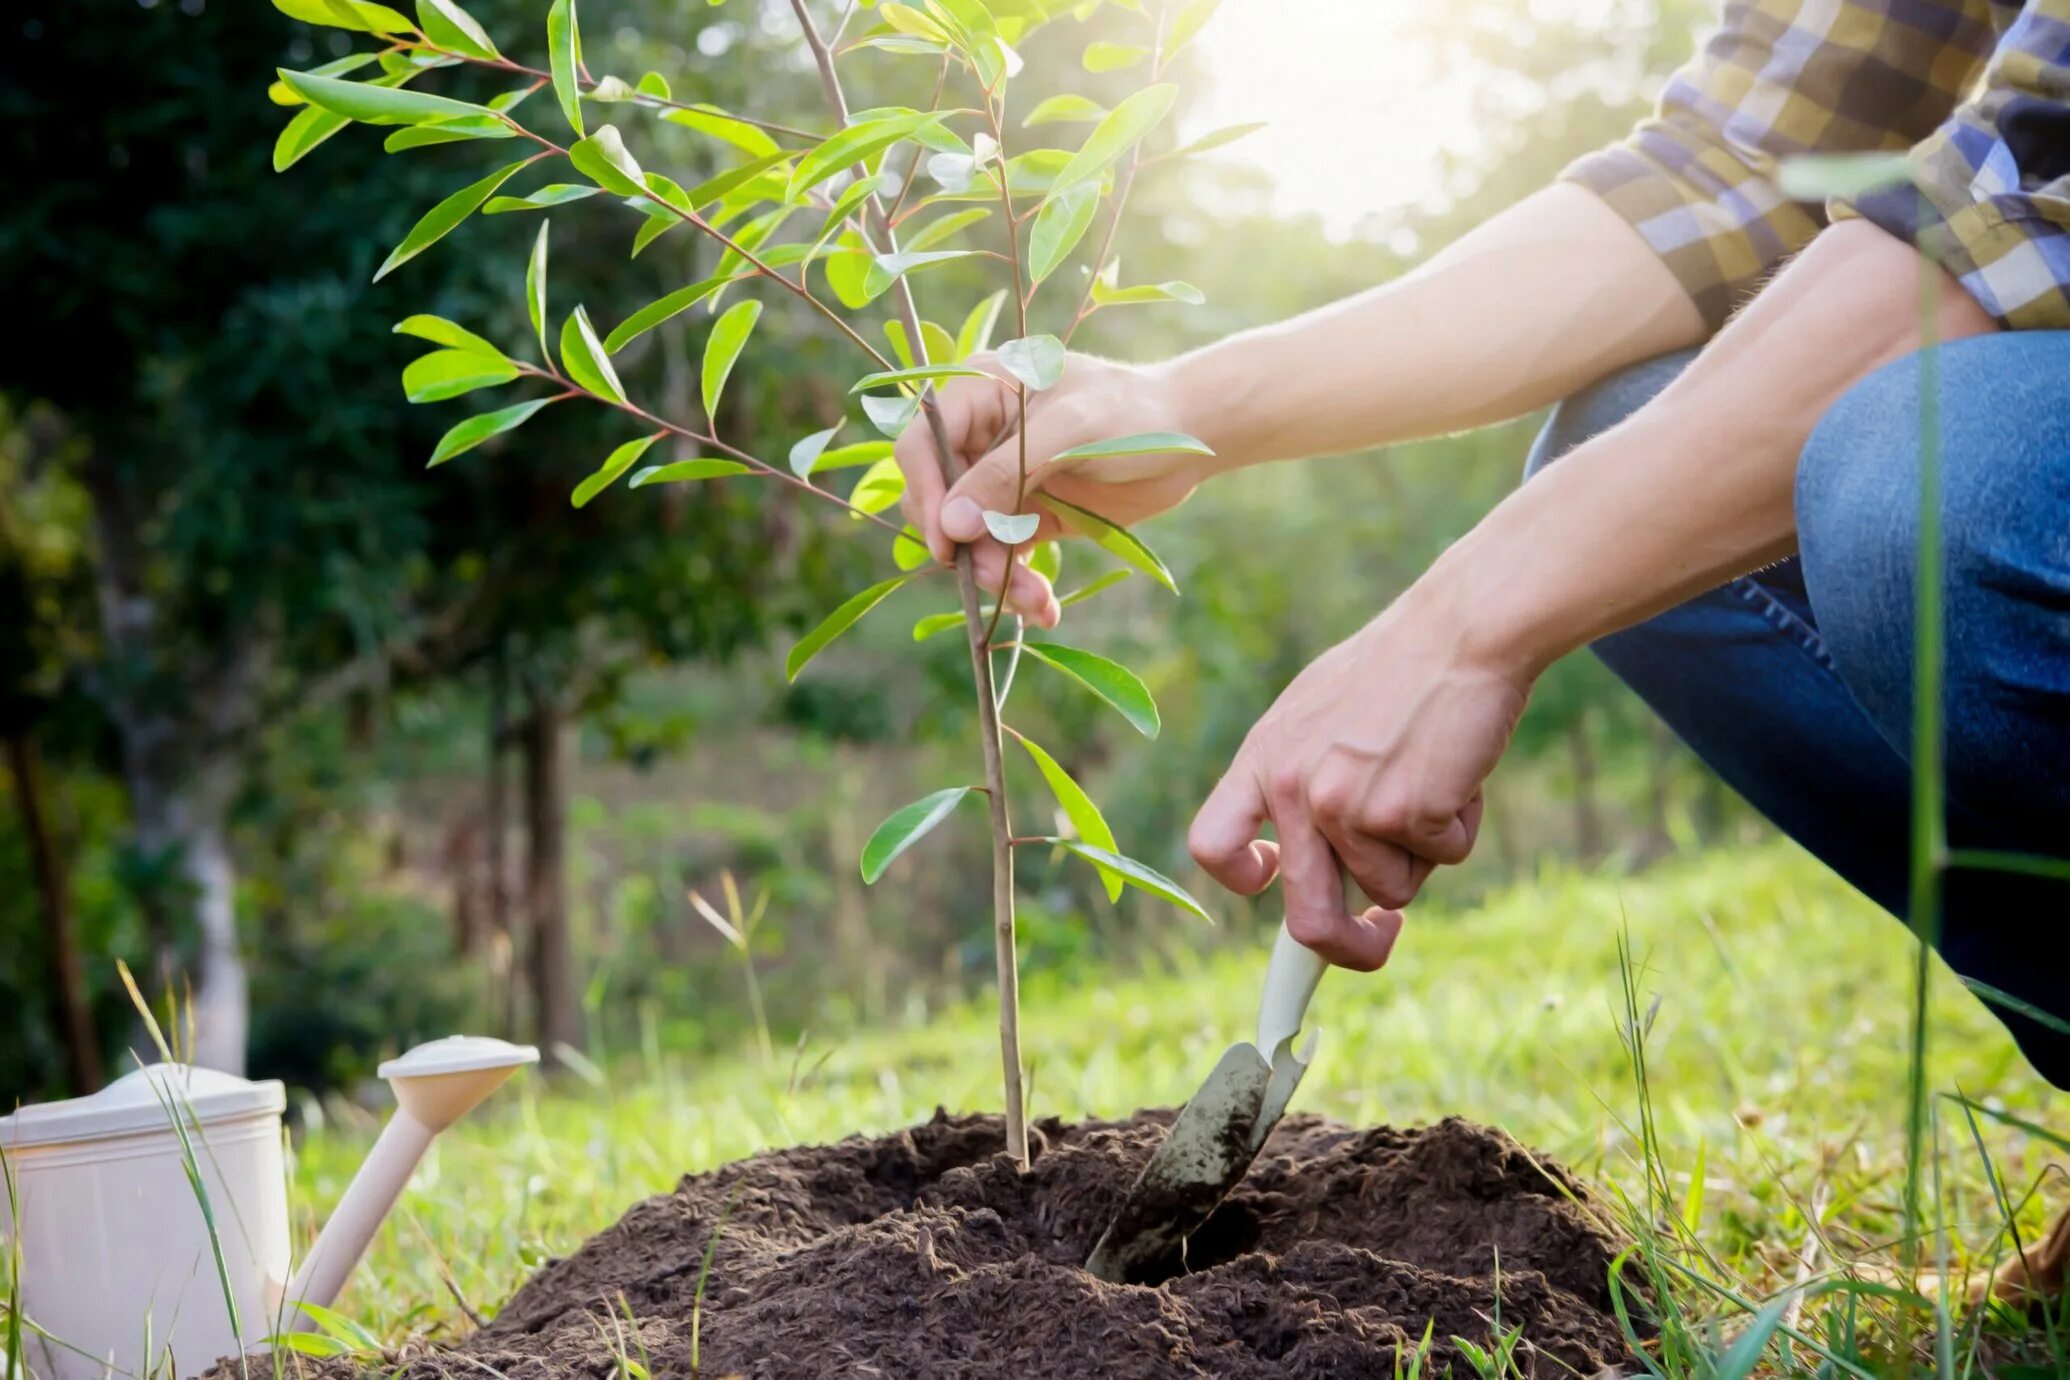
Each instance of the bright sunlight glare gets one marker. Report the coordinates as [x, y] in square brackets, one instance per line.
[1357, 116]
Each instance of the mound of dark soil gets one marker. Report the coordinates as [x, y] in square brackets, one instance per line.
[927, 1253]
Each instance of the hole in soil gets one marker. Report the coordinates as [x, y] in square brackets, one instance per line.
[1231, 1231]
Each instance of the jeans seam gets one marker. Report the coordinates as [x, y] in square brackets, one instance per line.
[1784, 621]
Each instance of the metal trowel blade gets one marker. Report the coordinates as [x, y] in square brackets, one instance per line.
[1206, 1152]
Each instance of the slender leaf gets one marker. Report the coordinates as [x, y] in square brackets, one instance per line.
[1062, 109]
[453, 131]
[360, 16]
[1078, 807]
[838, 622]
[1187, 23]
[976, 335]
[1112, 538]
[604, 160]
[278, 93]
[440, 331]
[881, 485]
[584, 360]
[564, 56]
[440, 220]
[542, 199]
[1124, 128]
[848, 147]
[446, 374]
[475, 430]
[1744, 1354]
[729, 336]
[618, 462]
[907, 827]
[709, 119]
[535, 290]
[805, 453]
[1112, 57]
[310, 127]
[449, 26]
[890, 415]
[1104, 294]
[1059, 226]
[909, 549]
[1097, 585]
[1110, 680]
[934, 232]
[887, 269]
[1140, 443]
[373, 102]
[1216, 138]
[1036, 360]
[852, 456]
[936, 623]
[658, 311]
[1136, 874]
[919, 373]
[682, 471]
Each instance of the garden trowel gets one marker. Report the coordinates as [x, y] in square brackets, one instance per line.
[1218, 1133]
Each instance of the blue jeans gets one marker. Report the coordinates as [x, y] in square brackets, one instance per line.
[1795, 683]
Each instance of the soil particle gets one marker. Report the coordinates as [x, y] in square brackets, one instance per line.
[928, 1254]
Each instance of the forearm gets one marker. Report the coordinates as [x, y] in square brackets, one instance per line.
[1549, 296]
[1698, 486]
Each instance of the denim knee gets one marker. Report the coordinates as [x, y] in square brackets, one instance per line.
[1602, 405]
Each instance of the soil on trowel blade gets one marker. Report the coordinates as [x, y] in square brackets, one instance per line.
[927, 1253]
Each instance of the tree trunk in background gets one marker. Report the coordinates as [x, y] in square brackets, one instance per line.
[60, 939]
[503, 983]
[556, 999]
[1588, 819]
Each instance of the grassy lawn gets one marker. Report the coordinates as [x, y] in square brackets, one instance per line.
[1777, 1072]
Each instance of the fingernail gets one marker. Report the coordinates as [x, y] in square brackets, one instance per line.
[963, 519]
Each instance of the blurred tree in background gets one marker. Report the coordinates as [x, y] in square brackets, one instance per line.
[413, 750]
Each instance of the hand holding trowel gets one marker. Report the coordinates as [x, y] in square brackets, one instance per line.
[1219, 1132]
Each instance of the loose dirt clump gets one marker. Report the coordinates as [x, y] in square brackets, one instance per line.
[928, 1254]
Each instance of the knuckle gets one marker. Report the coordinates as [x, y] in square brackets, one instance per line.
[1204, 847]
[1333, 797]
[1307, 929]
[1283, 784]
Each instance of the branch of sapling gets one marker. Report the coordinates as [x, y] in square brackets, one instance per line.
[1123, 182]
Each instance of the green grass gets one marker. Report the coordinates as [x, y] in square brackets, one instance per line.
[1776, 1073]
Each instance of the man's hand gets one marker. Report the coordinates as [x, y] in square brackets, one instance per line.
[1094, 401]
[1374, 755]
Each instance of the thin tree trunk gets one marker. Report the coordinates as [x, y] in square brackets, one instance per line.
[60, 938]
[557, 1008]
[1588, 819]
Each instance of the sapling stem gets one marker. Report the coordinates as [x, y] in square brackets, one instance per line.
[878, 228]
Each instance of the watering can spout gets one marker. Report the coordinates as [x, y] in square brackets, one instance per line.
[435, 1085]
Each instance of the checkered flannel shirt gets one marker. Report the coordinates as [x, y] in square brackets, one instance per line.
[1977, 90]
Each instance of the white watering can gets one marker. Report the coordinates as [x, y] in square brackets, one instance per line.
[118, 1270]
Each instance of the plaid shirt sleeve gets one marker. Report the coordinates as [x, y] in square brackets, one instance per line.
[1778, 78]
[1992, 196]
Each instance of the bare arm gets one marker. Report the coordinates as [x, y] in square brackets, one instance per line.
[1550, 295]
[1377, 751]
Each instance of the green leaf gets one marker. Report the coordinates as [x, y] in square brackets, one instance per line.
[535, 290]
[447, 132]
[615, 464]
[887, 269]
[610, 90]
[1078, 807]
[584, 360]
[1110, 680]
[1094, 586]
[360, 16]
[440, 220]
[881, 485]
[1116, 540]
[1012, 528]
[1744, 1354]
[729, 335]
[604, 160]
[1216, 138]
[1136, 874]
[919, 373]
[709, 119]
[933, 233]
[806, 452]
[848, 273]
[653, 84]
[440, 331]
[1112, 57]
[310, 127]
[1064, 109]
[312, 1344]
[907, 827]
[890, 415]
[852, 456]
[278, 93]
[680, 471]
[542, 199]
[658, 311]
[564, 56]
[1059, 225]
[339, 1327]
[1187, 23]
[1124, 128]
[1104, 295]
[475, 430]
[838, 622]
[449, 26]
[855, 144]
[934, 624]
[909, 549]
[1047, 560]
[446, 374]
[1140, 443]
[976, 333]
[1036, 360]
[374, 103]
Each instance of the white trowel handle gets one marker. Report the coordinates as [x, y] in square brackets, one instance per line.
[1290, 979]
